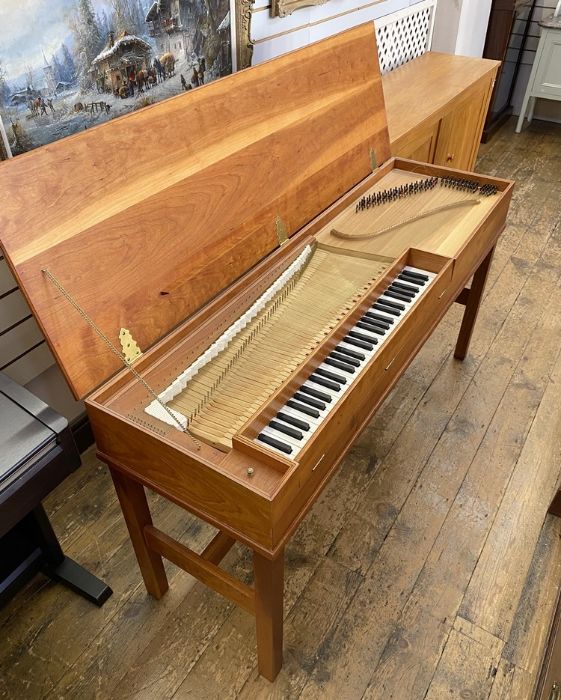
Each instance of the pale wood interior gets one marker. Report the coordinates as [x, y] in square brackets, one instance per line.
[444, 233]
[454, 473]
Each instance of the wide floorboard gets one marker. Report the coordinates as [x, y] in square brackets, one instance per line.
[428, 569]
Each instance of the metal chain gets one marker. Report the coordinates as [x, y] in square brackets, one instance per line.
[116, 352]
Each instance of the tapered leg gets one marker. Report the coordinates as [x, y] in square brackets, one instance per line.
[472, 306]
[269, 593]
[520, 121]
[137, 515]
[531, 110]
[62, 568]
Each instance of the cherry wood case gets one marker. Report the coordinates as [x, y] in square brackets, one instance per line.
[205, 207]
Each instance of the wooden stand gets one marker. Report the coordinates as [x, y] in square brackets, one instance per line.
[471, 298]
[265, 599]
[205, 244]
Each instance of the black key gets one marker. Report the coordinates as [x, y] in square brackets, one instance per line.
[411, 280]
[358, 343]
[327, 383]
[365, 338]
[406, 287]
[396, 295]
[321, 395]
[331, 375]
[351, 353]
[386, 309]
[390, 303]
[345, 364]
[413, 277]
[282, 446]
[370, 328]
[378, 327]
[296, 422]
[309, 401]
[406, 292]
[286, 429]
[378, 317]
[307, 410]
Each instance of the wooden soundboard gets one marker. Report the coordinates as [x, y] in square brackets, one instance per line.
[170, 222]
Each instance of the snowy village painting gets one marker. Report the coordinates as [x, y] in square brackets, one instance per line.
[67, 65]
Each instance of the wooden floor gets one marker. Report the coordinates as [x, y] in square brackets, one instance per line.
[426, 569]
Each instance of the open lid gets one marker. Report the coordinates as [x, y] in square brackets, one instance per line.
[146, 218]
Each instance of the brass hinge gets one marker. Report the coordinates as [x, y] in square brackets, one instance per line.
[131, 351]
[373, 159]
[282, 233]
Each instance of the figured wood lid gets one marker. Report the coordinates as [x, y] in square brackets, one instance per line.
[146, 218]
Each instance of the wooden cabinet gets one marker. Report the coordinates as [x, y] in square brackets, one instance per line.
[421, 145]
[460, 132]
[436, 108]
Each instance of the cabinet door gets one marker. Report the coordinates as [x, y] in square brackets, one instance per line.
[460, 131]
[420, 145]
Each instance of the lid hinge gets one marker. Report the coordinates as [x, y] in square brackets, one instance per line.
[131, 351]
[282, 233]
[373, 159]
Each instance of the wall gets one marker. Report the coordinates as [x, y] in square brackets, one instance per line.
[24, 355]
[273, 36]
[460, 26]
[446, 24]
[473, 27]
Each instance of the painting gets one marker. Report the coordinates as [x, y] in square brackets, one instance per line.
[67, 65]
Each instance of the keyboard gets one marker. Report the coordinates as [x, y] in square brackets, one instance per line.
[304, 413]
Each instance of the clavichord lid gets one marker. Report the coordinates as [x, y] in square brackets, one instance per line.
[146, 218]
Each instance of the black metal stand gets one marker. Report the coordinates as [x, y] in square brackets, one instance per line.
[28, 543]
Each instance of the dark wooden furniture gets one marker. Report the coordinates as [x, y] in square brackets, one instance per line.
[177, 239]
[504, 20]
[548, 684]
[37, 452]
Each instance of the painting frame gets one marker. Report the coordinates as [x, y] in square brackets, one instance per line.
[241, 52]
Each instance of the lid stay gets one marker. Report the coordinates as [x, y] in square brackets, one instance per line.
[126, 362]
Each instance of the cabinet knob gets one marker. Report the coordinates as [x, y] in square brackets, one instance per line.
[450, 157]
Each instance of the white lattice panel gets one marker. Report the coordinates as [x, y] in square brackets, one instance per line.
[405, 35]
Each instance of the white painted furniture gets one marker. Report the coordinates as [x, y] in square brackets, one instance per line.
[405, 35]
[545, 78]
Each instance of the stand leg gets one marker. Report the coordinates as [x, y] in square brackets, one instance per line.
[531, 110]
[269, 590]
[63, 569]
[520, 121]
[81, 581]
[472, 307]
[137, 515]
